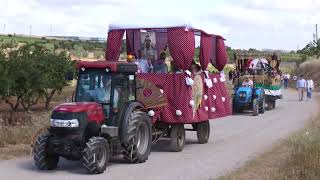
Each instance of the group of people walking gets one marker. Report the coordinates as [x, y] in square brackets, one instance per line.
[304, 85]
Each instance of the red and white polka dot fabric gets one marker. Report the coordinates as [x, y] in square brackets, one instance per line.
[181, 44]
[114, 45]
[205, 50]
[178, 95]
[221, 55]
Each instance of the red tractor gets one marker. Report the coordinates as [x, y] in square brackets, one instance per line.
[117, 111]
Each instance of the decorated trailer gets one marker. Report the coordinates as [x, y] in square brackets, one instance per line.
[266, 75]
[120, 111]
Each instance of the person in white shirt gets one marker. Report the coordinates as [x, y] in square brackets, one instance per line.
[144, 65]
[301, 86]
[310, 86]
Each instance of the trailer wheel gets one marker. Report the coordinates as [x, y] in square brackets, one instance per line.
[96, 155]
[203, 132]
[139, 138]
[178, 137]
[42, 158]
[255, 107]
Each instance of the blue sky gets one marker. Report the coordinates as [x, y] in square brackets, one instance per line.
[273, 24]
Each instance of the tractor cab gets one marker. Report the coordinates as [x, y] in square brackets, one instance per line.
[110, 84]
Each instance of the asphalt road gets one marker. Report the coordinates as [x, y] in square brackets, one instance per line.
[233, 141]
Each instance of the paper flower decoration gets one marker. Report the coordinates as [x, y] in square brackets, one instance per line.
[206, 108]
[223, 99]
[215, 80]
[191, 103]
[214, 97]
[205, 97]
[151, 113]
[178, 113]
[213, 109]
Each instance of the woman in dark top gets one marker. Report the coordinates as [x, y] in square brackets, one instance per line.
[160, 66]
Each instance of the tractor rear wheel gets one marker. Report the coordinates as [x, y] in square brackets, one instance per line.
[42, 158]
[96, 155]
[178, 137]
[139, 137]
[203, 132]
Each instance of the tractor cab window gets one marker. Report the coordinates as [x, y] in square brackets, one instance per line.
[94, 88]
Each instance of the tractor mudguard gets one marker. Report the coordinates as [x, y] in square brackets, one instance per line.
[129, 107]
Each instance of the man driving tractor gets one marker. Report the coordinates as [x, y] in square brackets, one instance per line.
[247, 82]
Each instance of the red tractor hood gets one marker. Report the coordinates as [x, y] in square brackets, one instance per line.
[94, 110]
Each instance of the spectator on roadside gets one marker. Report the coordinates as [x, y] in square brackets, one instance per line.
[310, 86]
[301, 86]
[286, 80]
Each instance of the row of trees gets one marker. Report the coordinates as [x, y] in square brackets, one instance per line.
[311, 49]
[31, 73]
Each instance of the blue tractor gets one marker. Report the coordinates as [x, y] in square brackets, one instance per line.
[248, 98]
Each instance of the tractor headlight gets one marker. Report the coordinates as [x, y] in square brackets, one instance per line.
[72, 123]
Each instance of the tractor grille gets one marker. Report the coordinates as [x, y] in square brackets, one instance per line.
[81, 116]
[242, 96]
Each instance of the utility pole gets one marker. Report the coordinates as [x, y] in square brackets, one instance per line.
[316, 32]
[30, 27]
[50, 29]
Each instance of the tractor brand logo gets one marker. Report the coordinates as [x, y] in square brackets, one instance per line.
[147, 92]
[197, 92]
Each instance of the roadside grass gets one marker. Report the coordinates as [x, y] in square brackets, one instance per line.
[297, 158]
[16, 139]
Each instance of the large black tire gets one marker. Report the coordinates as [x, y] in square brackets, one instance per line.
[42, 158]
[203, 132]
[139, 137]
[96, 155]
[235, 108]
[269, 105]
[178, 137]
[273, 104]
[255, 107]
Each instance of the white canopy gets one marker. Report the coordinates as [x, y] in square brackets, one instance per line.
[156, 24]
[254, 62]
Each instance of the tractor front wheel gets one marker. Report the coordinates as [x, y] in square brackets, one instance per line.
[42, 158]
[255, 107]
[96, 155]
[262, 106]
